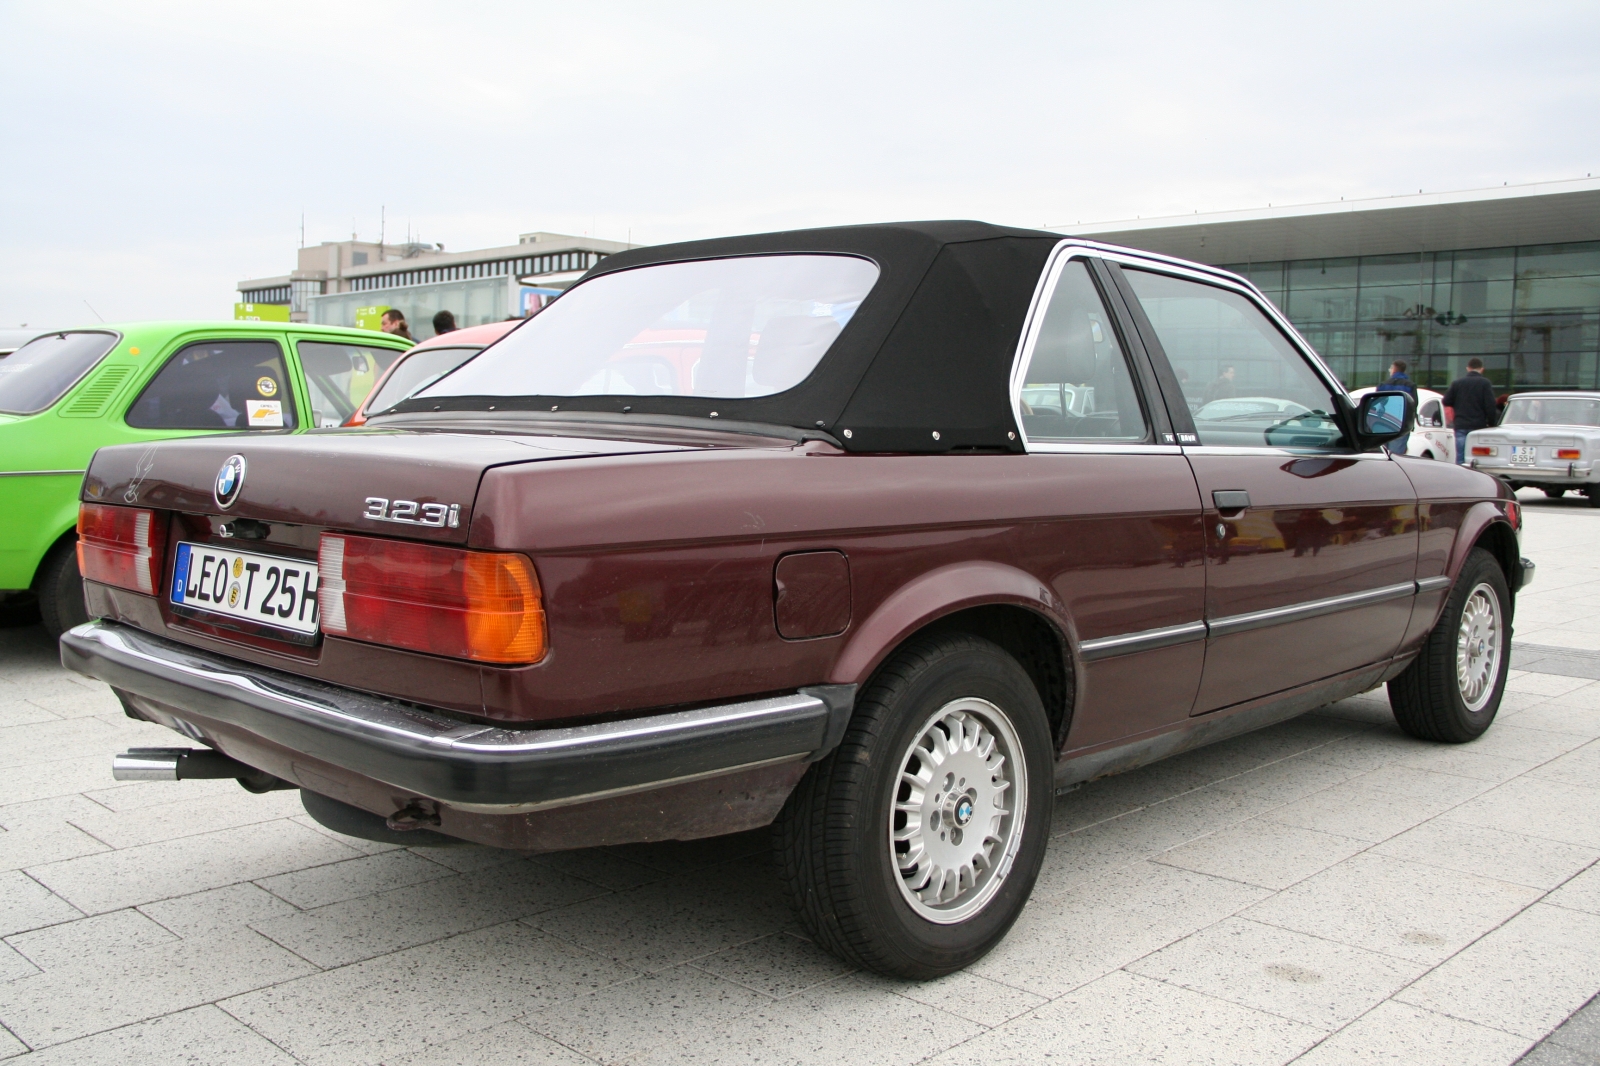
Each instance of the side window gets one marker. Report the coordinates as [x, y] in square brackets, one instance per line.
[1243, 381]
[339, 376]
[218, 385]
[1078, 385]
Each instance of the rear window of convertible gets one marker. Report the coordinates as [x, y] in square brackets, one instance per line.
[728, 328]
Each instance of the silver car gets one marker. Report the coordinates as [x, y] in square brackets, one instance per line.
[1545, 440]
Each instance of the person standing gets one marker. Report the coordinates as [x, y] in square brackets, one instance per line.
[394, 321]
[444, 322]
[1222, 388]
[1469, 404]
[1398, 382]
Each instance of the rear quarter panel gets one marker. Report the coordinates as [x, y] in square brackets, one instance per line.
[657, 570]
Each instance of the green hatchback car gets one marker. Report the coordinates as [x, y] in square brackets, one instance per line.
[65, 394]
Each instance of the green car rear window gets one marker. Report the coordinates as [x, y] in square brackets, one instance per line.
[39, 373]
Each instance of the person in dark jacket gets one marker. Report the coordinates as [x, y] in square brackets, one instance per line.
[1469, 404]
[444, 322]
[1398, 382]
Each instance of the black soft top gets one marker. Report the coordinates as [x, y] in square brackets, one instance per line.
[923, 366]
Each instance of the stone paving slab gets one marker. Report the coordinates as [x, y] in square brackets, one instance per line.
[1327, 891]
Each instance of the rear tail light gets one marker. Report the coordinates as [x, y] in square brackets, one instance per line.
[120, 546]
[1569, 453]
[1514, 512]
[1483, 449]
[484, 606]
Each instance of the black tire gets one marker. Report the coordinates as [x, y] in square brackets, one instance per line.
[1594, 497]
[1555, 494]
[61, 590]
[1427, 699]
[832, 841]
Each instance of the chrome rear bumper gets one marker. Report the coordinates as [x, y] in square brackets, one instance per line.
[462, 764]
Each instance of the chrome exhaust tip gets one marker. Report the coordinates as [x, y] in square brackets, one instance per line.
[147, 764]
[190, 764]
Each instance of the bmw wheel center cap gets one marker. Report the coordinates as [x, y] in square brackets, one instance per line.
[230, 479]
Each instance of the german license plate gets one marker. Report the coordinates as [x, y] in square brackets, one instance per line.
[265, 589]
[1523, 454]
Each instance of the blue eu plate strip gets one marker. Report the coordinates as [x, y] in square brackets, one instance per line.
[180, 573]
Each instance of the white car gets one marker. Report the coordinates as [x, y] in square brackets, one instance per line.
[1545, 440]
[1430, 439]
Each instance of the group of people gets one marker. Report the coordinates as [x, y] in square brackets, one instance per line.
[1469, 403]
[394, 321]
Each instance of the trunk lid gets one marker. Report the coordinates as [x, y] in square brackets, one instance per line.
[427, 482]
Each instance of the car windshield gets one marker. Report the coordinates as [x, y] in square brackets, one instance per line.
[419, 369]
[728, 328]
[35, 376]
[1552, 411]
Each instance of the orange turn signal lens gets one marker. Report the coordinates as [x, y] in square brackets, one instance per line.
[120, 546]
[1569, 453]
[1482, 449]
[484, 606]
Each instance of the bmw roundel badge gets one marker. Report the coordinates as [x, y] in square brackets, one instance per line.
[230, 479]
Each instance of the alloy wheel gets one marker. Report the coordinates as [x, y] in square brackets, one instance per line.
[959, 808]
[1478, 647]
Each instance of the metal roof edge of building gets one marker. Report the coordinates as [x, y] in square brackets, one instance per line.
[1336, 207]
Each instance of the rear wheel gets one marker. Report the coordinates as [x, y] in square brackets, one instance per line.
[912, 848]
[1452, 690]
[1594, 496]
[61, 590]
[1555, 494]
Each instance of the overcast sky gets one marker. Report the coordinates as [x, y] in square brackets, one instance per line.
[157, 153]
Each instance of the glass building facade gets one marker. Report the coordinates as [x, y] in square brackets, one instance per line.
[1531, 313]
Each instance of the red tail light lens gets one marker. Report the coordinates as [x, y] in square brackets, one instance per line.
[1482, 449]
[1569, 453]
[485, 606]
[121, 546]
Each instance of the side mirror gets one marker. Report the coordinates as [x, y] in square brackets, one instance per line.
[1383, 417]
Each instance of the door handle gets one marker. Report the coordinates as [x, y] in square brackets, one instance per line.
[1231, 500]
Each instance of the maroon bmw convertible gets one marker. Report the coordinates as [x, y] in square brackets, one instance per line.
[878, 535]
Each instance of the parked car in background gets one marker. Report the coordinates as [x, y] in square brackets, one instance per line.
[429, 361]
[1430, 438]
[64, 394]
[1545, 440]
[822, 568]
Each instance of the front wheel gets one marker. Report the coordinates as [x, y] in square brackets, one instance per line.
[1452, 690]
[912, 848]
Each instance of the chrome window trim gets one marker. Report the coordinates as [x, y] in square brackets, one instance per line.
[1086, 448]
[1379, 456]
[1063, 253]
[1243, 286]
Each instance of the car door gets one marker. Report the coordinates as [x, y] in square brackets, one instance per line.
[1311, 547]
[219, 383]
[1124, 543]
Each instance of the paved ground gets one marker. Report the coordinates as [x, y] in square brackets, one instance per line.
[1327, 891]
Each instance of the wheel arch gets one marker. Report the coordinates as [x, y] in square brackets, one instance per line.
[991, 600]
[67, 536]
[1487, 526]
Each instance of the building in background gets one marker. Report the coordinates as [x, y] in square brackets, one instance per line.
[1511, 275]
[350, 283]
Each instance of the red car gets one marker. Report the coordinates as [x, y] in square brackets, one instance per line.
[426, 363]
[879, 535]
